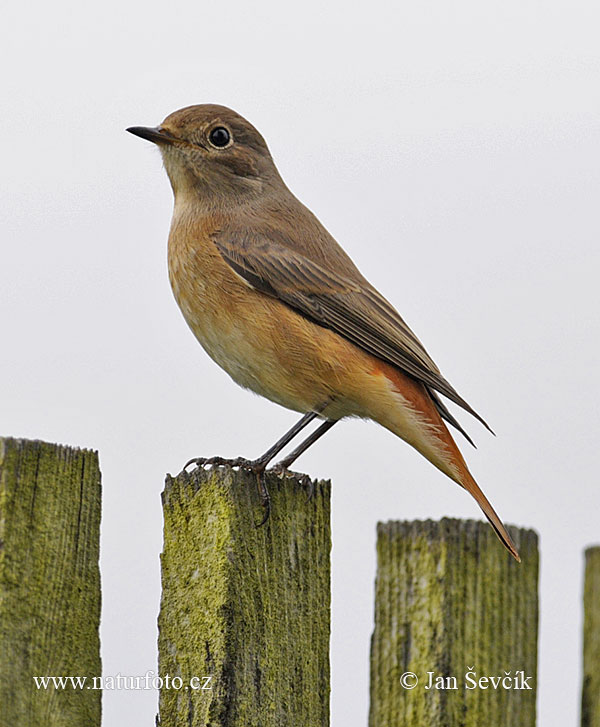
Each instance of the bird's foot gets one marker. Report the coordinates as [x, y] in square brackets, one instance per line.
[282, 471]
[257, 466]
[265, 498]
[252, 465]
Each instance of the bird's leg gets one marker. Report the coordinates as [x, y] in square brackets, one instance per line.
[283, 465]
[304, 445]
[264, 459]
[259, 465]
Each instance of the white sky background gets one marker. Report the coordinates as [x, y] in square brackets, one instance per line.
[453, 150]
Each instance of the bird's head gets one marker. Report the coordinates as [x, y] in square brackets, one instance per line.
[212, 151]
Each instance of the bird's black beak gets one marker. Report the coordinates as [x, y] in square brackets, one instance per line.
[156, 134]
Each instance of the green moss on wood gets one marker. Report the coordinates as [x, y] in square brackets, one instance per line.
[590, 697]
[448, 598]
[247, 606]
[49, 582]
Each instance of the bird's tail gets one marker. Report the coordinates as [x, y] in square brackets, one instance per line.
[471, 486]
[416, 419]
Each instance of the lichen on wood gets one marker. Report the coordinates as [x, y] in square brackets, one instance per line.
[247, 606]
[590, 696]
[449, 601]
[49, 582]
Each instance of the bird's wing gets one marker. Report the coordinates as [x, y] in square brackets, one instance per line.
[351, 308]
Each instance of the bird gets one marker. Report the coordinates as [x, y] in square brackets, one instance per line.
[280, 306]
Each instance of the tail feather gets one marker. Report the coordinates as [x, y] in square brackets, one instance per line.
[472, 487]
[426, 431]
[445, 413]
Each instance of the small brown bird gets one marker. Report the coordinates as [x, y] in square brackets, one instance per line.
[278, 304]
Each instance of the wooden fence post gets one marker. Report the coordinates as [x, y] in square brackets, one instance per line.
[451, 607]
[244, 610]
[49, 583]
[590, 696]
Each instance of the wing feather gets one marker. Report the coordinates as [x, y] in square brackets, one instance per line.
[352, 309]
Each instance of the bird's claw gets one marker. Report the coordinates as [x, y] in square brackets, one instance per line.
[266, 503]
[251, 465]
[247, 464]
[303, 479]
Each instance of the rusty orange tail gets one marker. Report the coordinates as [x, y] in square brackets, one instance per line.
[471, 486]
[415, 418]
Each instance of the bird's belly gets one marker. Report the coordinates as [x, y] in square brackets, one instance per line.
[239, 352]
[246, 355]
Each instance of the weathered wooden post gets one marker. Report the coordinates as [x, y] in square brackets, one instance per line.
[49, 583]
[590, 696]
[244, 618]
[456, 618]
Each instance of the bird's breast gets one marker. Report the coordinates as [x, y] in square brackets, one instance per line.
[207, 291]
[237, 326]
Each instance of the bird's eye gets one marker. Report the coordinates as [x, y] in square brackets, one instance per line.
[219, 137]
